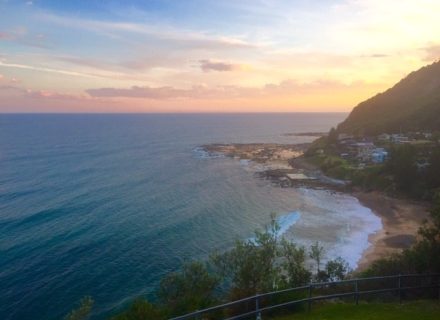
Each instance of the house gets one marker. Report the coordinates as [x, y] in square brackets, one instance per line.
[384, 137]
[364, 150]
[344, 136]
[399, 138]
[379, 155]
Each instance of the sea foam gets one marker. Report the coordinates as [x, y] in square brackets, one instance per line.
[286, 221]
[346, 219]
[202, 153]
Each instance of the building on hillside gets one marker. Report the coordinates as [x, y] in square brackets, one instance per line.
[384, 137]
[363, 150]
[344, 136]
[399, 138]
[379, 155]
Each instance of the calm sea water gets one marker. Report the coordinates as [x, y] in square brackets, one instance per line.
[105, 205]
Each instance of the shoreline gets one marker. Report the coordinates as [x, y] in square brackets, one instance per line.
[400, 217]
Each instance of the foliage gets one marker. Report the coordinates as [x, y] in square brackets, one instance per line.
[262, 264]
[433, 171]
[402, 165]
[336, 269]
[411, 105]
[141, 309]
[295, 274]
[422, 257]
[333, 136]
[251, 265]
[316, 253]
[82, 312]
[191, 289]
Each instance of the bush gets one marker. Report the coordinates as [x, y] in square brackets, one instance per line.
[191, 289]
[83, 310]
[141, 309]
[422, 257]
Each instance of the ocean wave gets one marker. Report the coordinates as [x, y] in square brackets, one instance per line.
[202, 153]
[285, 222]
[344, 217]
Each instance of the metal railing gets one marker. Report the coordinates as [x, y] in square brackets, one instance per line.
[255, 305]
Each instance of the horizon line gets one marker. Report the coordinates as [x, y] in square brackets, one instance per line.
[164, 113]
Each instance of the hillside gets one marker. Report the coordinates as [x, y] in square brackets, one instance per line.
[413, 104]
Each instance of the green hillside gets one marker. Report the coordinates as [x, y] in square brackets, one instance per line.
[413, 104]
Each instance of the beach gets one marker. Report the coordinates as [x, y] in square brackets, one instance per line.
[400, 218]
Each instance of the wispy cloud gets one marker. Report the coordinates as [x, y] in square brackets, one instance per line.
[432, 53]
[59, 71]
[208, 65]
[162, 32]
[286, 87]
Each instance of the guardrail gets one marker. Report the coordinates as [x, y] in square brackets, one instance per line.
[255, 305]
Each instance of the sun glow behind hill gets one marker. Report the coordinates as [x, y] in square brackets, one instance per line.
[251, 56]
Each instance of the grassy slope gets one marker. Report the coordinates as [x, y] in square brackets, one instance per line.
[420, 310]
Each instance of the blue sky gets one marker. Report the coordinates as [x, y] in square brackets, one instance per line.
[208, 56]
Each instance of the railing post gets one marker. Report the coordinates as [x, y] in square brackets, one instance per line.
[310, 298]
[400, 288]
[257, 307]
[356, 295]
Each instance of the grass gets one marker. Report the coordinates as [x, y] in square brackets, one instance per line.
[420, 310]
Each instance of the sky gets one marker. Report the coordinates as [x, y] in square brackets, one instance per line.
[210, 55]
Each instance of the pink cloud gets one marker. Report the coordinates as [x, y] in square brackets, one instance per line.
[15, 90]
[6, 36]
[208, 65]
[139, 92]
[287, 87]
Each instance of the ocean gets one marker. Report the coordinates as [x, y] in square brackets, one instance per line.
[106, 205]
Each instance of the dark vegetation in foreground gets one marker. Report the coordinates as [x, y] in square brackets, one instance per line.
[263, 264]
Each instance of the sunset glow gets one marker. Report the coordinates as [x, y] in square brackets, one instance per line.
[209, 56]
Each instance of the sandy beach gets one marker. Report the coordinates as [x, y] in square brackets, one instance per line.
[401, 218]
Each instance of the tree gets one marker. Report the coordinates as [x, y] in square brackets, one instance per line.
[316, 253]
[191, 289]
[422, 257]
[402, 165]
[426, 251]
[83, 310]
[251, 266]
[337, 269]
[294, 257]
[333, 136]
[433, 171]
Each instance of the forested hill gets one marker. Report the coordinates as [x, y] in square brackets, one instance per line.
[413, 104]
